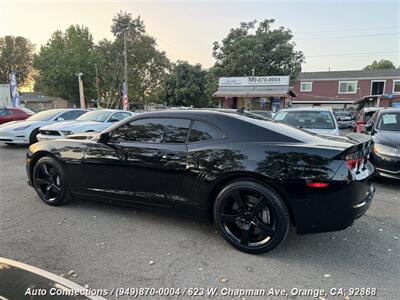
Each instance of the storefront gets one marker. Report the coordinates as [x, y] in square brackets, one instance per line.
[390, 100]
[254, 93]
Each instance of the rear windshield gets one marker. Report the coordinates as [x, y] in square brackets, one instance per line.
[306, 119]
[389, 121]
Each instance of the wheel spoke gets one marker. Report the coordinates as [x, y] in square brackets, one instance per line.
[47, 192]
[45, 170]
[55, 188]
[244, 238]
[260, 204]
[230, 217]
[237, 198]
[41, 181]
[53, 172]
[266, 229]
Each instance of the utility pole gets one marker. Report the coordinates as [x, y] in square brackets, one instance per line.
[97, 86]
[81, 95]
[125, 100]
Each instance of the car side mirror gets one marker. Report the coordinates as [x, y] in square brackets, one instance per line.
[113, 120]
[368, 127]
[60, 119]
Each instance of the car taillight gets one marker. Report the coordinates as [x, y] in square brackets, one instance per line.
[356, 160]
[314, 184]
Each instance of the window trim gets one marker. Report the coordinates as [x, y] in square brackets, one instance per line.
[224, 135]
[384, 85]
[394, 81]
[301, 86]
[348, 81]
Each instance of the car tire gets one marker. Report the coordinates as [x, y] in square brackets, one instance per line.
[251, 216]
[32, 138]
[50, 182]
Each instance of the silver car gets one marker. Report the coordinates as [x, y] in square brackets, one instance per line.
[317, 120]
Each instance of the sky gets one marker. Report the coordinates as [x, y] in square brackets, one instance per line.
[335, 35]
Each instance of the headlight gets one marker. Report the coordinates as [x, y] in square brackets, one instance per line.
[21, 128]
[66, 132]
[386, 150]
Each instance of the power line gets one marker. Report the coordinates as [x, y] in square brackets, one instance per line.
[345, 30]
[346, 36]
[350, 54]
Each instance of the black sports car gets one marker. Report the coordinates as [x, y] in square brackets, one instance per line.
[251, 175]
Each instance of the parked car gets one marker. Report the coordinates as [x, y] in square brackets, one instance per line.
[263, 113]
[363, 116]
[344, 119]
[384, 126]
[251, 175]
[24, 132]
[317, 120]
[22, 281]
[96, 120]
[14, 114]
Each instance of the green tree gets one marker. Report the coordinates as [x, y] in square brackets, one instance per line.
[61, 58]
[185, 86]
[16, 53]
[266, 51]
[147, 66]
[382, 64]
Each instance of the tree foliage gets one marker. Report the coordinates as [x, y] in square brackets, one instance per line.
[185, 86]
[382, 64]
[61, 58]
[262, 49]
[16, 53]
[147, 66]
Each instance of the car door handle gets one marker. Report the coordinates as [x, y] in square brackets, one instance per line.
[170, 156]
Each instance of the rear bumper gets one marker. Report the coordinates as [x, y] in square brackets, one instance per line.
[336, 207]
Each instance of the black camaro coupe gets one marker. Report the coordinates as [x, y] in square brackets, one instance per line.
[251, 175]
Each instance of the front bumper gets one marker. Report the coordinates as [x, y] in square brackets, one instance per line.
[14, 137]
[386, 166]
[45, 137]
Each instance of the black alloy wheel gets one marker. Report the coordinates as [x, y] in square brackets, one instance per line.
[251, 216]
[49, 181]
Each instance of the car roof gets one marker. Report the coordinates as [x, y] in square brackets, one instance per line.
[391, 109]
[368, 109]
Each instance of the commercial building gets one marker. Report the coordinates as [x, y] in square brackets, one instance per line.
[254, 93]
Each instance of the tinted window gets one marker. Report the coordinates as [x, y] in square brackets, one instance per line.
[72, 114]
[306, 119]
[201, 131]
[119, 116]
[153, 131]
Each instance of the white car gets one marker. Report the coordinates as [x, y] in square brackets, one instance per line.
[25, 132]
[93, 121]
[317, 120]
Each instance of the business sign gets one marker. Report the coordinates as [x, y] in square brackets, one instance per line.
[14, 89]
[254, 81]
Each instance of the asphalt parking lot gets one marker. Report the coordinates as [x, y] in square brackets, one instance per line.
[108, 246]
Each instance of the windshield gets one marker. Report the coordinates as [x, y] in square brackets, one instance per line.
[44, 115]
[96, 116]
[389, 121]
[306, 119]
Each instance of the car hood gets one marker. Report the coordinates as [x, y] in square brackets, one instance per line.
[16, 124]
[72, 125]
[387, 138]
